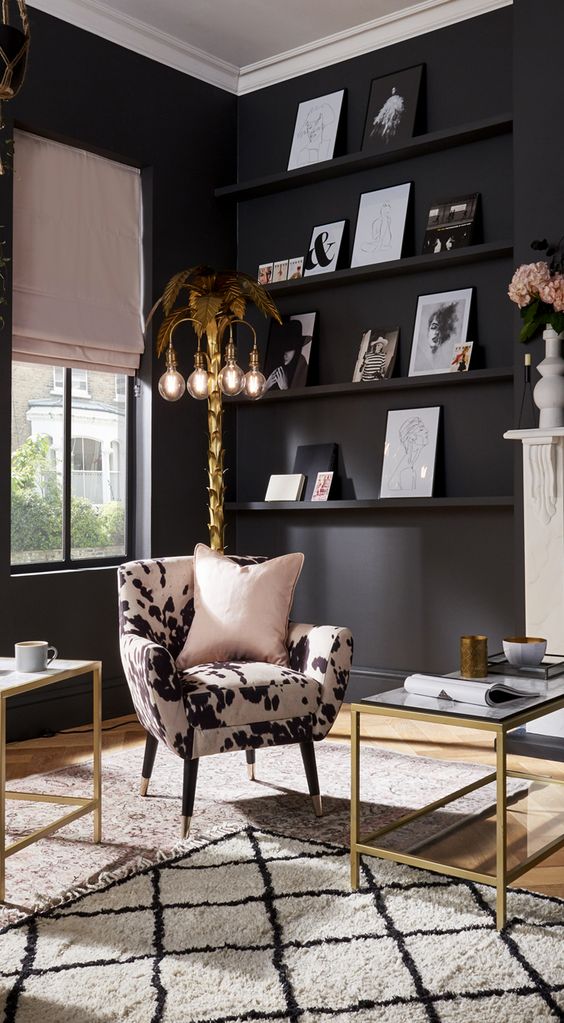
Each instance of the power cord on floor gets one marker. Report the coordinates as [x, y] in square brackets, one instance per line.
[48, 734]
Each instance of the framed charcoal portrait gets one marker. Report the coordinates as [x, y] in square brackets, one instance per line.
[441, 324]
[288, 352]
[315, 130]
[392, 109]
[376, 355]
[451, 224]
[380, 225]
[410, 451]
[324, 248]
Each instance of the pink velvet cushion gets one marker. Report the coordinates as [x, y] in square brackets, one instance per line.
[241, 611]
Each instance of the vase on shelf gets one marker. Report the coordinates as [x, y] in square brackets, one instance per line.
[549, 392]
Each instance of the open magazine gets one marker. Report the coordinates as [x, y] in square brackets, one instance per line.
[487, 692]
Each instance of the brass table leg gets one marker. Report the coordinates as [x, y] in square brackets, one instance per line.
[2, 798]
[97, 751]
[501, 831]
[355, 795]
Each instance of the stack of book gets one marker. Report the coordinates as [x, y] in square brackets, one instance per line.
[502, 684]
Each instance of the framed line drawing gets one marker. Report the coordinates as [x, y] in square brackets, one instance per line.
[315, 130]
[380, 225]
[441, 324]
[392, 109]
[410, 451]
[324, 248]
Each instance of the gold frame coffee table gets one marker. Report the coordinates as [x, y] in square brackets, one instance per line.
[499, 720]
[14, 683]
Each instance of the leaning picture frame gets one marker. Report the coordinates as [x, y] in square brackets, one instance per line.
[324, 248]
[441, 324]
[380, 225]
[410, 451]
[393, 109]
[315, 130]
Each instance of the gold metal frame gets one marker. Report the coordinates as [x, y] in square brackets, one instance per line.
[83, 804]
[365, 845]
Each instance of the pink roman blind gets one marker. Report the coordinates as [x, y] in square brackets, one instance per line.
[77, 265]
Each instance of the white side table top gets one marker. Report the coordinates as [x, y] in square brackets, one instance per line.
[12, 681]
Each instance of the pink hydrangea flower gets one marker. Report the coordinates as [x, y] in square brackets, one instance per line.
[528, 280]
[553, 293]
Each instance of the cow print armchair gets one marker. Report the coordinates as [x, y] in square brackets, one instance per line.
[224, 706]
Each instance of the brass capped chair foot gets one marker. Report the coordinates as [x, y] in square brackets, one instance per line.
[144, 786]
[185, 827]
[318, 808]
[251, 772]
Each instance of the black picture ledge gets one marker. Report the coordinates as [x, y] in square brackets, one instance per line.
[377, 504]
[395, 268]
[473, 376]
[353, 163]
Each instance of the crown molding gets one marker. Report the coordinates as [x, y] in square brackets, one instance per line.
[426, 16]
[101, 19]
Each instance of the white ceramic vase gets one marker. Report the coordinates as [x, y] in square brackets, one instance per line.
[549, 392]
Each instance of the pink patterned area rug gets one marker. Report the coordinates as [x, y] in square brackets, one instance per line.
[138, 831]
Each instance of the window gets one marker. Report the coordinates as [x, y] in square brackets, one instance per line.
[120, 386]
[79, 381]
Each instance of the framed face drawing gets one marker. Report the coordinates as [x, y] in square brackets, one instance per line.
[392, 109]
[380, 225]
[441, 325]
[315, 130]
[410, 452]
[288, 352]
[376, 355]
[324, 248]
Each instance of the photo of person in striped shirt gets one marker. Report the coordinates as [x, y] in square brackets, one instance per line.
[376, 356]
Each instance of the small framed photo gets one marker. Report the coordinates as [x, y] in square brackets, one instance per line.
[451, 224]
[288, 352]
[410, 451]
[380, 225]
[322, 487]
[295, 268]
[461, 358]
[376, 355]
[280, 271]
[315, 130]
[265, 273]
[441, 324]
[324, 248]
[392, 109]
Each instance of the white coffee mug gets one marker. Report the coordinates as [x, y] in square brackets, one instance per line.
[34, 655]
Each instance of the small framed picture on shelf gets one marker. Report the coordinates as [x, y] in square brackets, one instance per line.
[295, 268]
[280, 271]
[285, 488]
[315, 130]
[322, 487]
[324, 248]
[376, 355]
[451, 224]
[393, 107]
[265, 273]
[380, 225]
[461, 358]
[441, 324]
[410, 451]
[288, 352]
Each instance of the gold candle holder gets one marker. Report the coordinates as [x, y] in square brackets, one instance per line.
[473, 656]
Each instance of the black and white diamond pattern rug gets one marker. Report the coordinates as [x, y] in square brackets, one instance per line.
[258, 926]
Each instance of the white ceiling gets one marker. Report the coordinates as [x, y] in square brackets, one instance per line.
[243, 45]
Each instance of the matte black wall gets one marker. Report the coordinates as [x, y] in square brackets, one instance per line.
[180, 131]
[409, 582]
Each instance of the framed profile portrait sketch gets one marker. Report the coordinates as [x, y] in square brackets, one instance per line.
[380, 225]
[324, 248]
[393, 106]
[451, 224]
[315, 130]
[288, 352]
[441, 325]
[376, 355]
[410, 452]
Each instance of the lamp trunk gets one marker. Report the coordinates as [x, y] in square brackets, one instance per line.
[215, 441]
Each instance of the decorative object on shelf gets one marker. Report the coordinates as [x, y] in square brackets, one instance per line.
[441, 323]
[285, 488]
[474, 656]
[410, 449]
[265, 273]
[280, 271]
[451, 224]
[461, 357]
[376, 355]
[380, 225]
[214, 302]
[324, 248]
[392, 109]
[322, 488]
[314, 459]
[288, 352]
[14, 49]
[295, 268]
[524, 651]
[315, 130]
[527, 410]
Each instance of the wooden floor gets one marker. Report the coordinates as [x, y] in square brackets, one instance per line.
[540, 815]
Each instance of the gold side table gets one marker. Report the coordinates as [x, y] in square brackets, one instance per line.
[499, 721]
[14, 683]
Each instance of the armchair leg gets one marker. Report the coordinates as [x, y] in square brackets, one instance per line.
[251, 757]
[151, 745]
[307, 750]
[188, 793]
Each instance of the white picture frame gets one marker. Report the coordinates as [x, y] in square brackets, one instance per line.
[324, 248]
[315, 130]
[441, 324]
[410, 450]
[380, 225]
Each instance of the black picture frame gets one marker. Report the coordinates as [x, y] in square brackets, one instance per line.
[391, 122]
[451, 224]
[294, 335]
